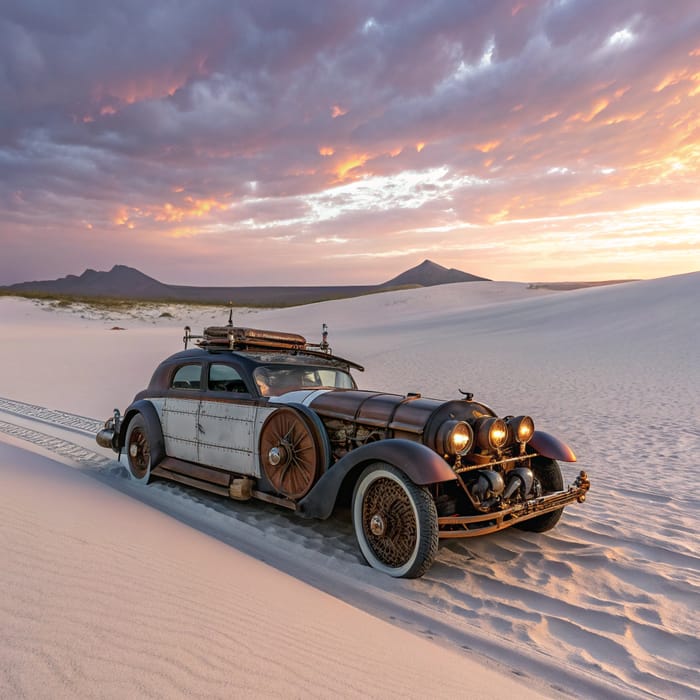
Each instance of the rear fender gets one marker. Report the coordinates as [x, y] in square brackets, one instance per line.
[155, 430]
[549, 446]
[418, 462]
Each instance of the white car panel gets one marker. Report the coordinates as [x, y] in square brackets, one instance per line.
[179, 421]
[227, 436]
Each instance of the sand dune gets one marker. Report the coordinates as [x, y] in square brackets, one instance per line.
[104, 597]
[604, 605]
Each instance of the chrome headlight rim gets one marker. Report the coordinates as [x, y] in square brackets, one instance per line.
[455, 437]
[522, 428]
[492, 433]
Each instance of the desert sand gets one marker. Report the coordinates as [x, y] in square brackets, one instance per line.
[113, 589]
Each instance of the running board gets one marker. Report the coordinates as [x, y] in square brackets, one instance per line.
[189, 481]
[212, 480]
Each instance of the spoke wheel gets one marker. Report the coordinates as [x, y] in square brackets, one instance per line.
[548, 473]
[138, 450]
[290, 453]
[395, 522]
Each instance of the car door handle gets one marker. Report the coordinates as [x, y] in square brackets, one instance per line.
[201, 430]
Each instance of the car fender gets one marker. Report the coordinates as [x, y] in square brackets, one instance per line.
[321, 433]
[155, 430]
[420, 464]
[549, 446]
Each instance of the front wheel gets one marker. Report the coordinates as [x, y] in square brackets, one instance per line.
[395, 521]
[548, 473]
[138, 450]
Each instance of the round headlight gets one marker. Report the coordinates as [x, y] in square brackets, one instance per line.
[492, 433]
[523, 428]
[454, 437]
[498, 433]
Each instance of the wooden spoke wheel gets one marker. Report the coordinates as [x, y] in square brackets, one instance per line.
[290, 452]
[138, 450]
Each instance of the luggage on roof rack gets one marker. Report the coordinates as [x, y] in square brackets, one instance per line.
[236, 338]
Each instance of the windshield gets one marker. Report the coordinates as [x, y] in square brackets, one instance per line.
[273, 380]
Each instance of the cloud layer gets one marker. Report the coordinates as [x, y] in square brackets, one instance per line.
[276, 142]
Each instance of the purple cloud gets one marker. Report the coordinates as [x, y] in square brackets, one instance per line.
[218, 126]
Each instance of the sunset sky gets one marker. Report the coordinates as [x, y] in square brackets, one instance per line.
[278, 142]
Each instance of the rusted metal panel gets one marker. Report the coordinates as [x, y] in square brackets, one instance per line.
[412, 415]
[180, 428]
[378, 410]
[341, 404]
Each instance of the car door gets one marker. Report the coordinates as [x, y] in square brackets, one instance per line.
[180, 418]
[226, 421]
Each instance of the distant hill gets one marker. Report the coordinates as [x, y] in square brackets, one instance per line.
[122, 282]
[429, 274]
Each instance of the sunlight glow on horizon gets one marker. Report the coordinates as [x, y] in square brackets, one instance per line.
[539, 134]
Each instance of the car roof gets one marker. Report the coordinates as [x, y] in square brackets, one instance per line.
[252, 359]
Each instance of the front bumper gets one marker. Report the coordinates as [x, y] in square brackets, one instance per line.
[459, 526]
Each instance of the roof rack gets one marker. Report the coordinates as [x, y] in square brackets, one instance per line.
[232, 337]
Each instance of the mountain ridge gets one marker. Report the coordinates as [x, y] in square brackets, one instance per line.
[124, 282]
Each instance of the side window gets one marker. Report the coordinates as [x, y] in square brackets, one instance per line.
[226, 378]
[187, 377]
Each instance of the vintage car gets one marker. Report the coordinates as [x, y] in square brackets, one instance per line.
[267, 415]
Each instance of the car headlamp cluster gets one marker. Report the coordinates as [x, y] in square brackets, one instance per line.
[455, 437]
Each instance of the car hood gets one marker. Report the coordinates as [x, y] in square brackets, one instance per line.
[411, 413]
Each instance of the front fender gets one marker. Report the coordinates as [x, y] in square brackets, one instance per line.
[155, 430]
[549, 446]
[418, 462]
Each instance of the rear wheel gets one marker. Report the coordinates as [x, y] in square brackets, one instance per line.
[138, 450]
[548, 473]
[395, 521]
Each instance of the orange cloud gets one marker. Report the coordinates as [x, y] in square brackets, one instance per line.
[548, 117]
[676, 77]
[338, 111]
[625, 118]
[488, 146]
[326, 151]
[420, 146]
[121, 217]
[190, 208]
[193, 208]
[354, 161]
[597, 108]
